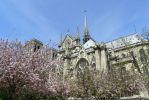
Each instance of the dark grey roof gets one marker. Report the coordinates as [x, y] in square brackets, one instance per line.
[123, 41]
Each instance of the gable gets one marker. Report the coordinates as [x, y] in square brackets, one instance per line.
[67, 41]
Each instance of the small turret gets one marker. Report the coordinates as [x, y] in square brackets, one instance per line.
[60, 43]
[33, 45]
[77, 37]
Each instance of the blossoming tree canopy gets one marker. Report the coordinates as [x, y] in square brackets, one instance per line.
[21, 69]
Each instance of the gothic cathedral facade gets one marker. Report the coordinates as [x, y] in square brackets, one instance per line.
[131, 52]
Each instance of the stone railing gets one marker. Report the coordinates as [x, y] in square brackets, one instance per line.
[134, 98]
[116, 98]
[93, 98]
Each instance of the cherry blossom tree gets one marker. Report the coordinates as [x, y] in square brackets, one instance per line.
[23, 72]
[34, 75]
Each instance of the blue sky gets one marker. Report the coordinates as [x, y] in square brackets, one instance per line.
[47, 19]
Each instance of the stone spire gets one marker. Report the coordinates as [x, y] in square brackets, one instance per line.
[77, 36]
[60, 43]
[86, 36]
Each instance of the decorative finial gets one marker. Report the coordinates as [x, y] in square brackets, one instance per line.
[61, 39]
[77, 34]
[68, 32]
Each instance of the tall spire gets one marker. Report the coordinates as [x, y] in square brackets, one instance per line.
[86, 32]
[85, 27]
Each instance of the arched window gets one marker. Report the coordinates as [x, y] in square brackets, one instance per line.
[82, 67]
[93, 63]
[93, 66]
[84, 77]
[38, 47]
[143, 57]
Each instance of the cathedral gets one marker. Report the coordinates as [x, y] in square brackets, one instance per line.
[130, 52]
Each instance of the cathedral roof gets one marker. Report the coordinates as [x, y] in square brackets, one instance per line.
[89, 43]
[125, 41]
